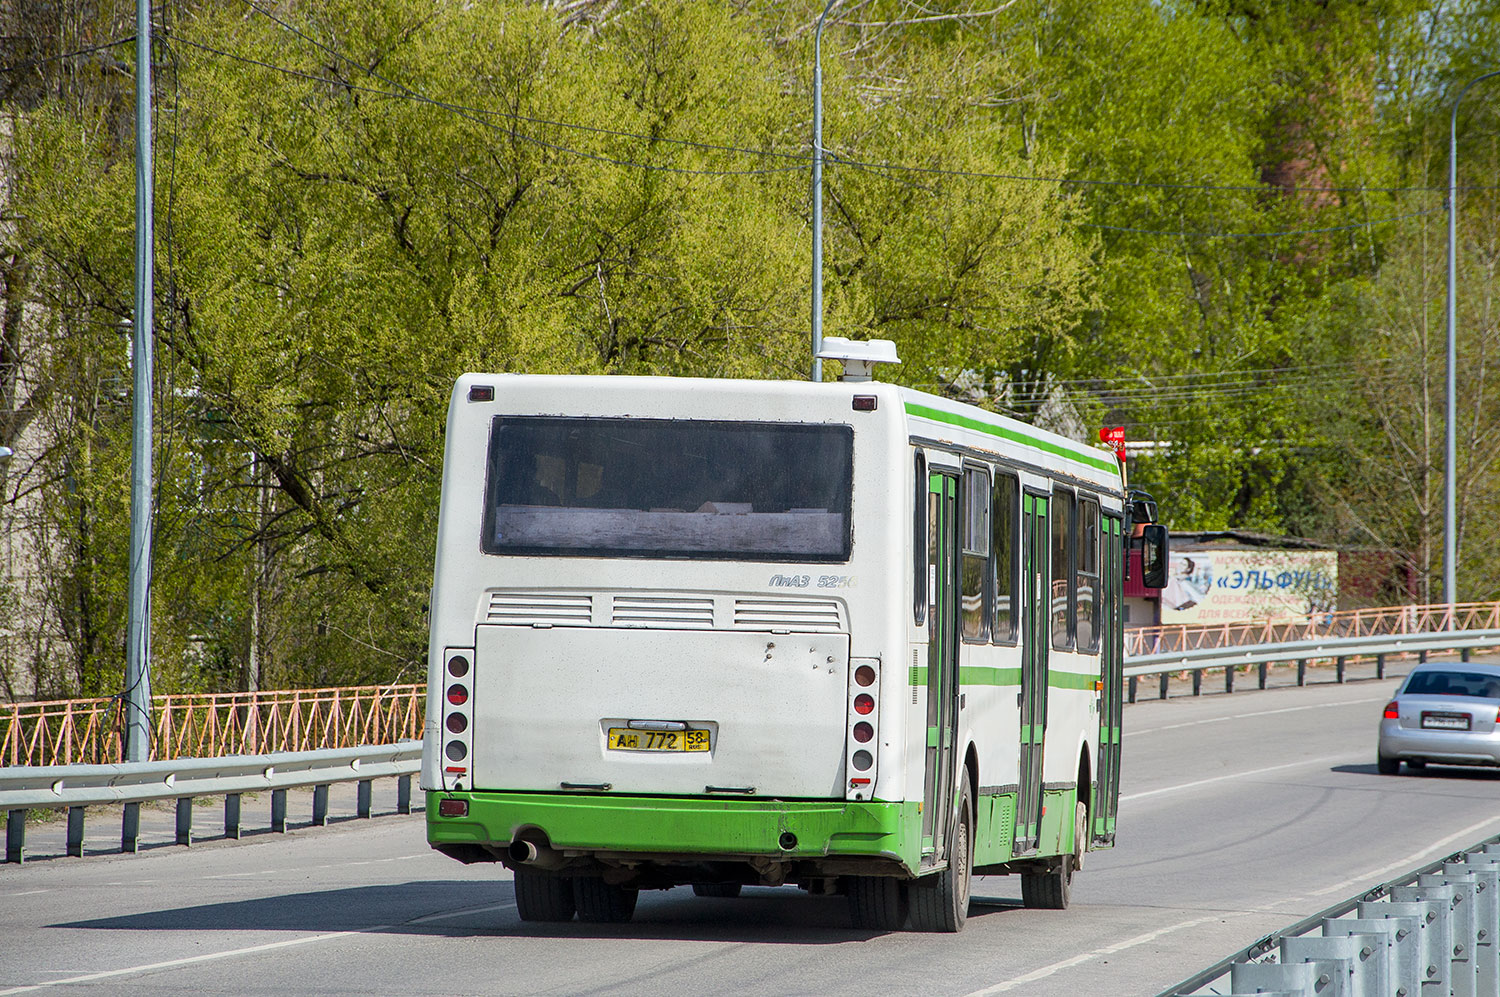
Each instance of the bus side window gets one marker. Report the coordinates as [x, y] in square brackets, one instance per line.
[919, 542]
[1063, 513]
[976, 553]
[1087, 588]
[1003, 557]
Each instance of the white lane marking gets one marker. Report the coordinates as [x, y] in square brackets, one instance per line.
[29, 893]
[242, 875]
[1309, 762]
[462, 913]
[327, 865]
[1129, 943]
[1411, 861]
[173, 963]
[1261, 713]
[250, 950]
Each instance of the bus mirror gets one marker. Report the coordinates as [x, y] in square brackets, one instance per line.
[1154, 556]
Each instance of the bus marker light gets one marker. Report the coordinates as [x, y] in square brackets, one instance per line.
[457, 723]
[863, 732]
[865, 403]
[482, 393]
[453, 808]
[458, 666]
[456, 751]
[863, 760]
[859, 782]
[458, 695]
[864, 703]
[456, 769]
[864, 675]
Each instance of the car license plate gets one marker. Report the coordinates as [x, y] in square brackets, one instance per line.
[1445, 721]
[629, 739]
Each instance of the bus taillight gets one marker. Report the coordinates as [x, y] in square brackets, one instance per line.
[863, 721]
[458, 716]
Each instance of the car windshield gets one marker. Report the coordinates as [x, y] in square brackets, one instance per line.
[1445, 683]
[669, 488]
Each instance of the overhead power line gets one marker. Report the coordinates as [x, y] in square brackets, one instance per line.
[806, 157]
[33, 63]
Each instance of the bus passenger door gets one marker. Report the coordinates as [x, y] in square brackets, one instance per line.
[942, 662]
[1111, 674]
[1035, 640]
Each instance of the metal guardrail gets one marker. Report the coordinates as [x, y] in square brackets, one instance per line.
[78, 786]
[1434, 931]
[1338, 649]
[1369, 622]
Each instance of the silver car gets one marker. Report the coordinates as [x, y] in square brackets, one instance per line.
[1443, 713]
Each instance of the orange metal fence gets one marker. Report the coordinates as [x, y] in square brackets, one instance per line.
[207, 725]
[1347, 623]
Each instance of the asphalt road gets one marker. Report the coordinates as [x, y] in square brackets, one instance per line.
[1240, 815]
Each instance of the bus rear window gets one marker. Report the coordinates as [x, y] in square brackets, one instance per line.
[669, 488]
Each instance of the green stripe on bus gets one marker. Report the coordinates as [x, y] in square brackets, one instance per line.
[979, 675]
[1072, 680]
[1013, 435]
[984, 675]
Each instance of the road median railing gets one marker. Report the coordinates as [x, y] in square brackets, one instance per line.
[1339, 650]
[1432, 932]
[23, 788]
[1381, 620]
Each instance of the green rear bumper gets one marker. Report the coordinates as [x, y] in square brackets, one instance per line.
[692, 828]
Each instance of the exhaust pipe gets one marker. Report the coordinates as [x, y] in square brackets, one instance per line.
[524, 852]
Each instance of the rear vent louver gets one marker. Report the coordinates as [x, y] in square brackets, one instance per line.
[819, 615]
[667, 612]
[532, 608]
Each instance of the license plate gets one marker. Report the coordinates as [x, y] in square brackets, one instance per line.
[629, 739]
[1445, 721]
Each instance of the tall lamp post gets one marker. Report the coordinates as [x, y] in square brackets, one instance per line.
[1450, 545]
[817, 196]
[138, 628]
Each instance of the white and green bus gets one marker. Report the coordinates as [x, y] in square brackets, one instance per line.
[844, 636]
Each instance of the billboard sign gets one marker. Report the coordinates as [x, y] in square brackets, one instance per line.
[1222, 586]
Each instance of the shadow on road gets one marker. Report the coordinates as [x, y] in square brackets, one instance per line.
[1471, 772]
[460, 908]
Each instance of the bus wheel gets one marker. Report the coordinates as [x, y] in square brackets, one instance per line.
[940, 902]
[1051, 890]
[717, 889]
[876, 903]
[603, 903]
[541, 896]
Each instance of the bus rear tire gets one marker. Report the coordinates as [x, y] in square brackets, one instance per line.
[877, 903]
[542, 896]
[1053, 889]
[940, 902]
[603, 903]
[726, 890]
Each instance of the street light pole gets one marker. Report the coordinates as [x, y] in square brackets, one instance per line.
[1450, 544]
[817, 196]
[138, 628]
